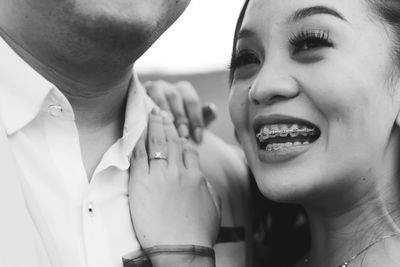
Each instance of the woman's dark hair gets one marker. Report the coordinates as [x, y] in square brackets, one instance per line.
[281, 232]
[237, 29]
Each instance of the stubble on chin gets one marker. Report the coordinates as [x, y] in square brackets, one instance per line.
[103, 31]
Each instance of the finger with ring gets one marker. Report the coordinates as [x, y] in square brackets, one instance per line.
[174, 144]
[158, 155]
[157, 144]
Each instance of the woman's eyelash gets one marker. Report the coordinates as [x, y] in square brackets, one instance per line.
[242, 58]
[302, 41]
[310, 39]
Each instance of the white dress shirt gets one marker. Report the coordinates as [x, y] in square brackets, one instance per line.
[89, 223]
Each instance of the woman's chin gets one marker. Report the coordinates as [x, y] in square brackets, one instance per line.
[289, 196]
[286, 187]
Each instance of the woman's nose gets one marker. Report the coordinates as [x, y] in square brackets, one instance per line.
[273, 86]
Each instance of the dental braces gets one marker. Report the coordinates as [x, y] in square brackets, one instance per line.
[265, 134]
[275, 147]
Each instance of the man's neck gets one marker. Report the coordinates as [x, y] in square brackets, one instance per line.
[98, 104]
[95, 103]
[96, 110]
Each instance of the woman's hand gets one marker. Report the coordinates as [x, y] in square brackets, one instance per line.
[170, 200]
[183, 103]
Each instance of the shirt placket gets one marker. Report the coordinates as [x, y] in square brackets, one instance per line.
[83, 203]
[95, 234]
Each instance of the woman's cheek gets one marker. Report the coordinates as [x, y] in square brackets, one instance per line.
[238, 109]
[336, 93]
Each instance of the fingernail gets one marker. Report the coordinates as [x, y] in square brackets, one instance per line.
[210, 107]
[209, 113]
[198, 134]
[165, 115]
[155, 111]
[183, 130]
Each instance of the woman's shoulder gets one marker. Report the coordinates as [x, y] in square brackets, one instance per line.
[226, 161]
[225, 168]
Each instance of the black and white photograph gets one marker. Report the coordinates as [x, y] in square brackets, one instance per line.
[199, 133]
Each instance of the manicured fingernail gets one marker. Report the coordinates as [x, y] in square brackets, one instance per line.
[198, 134]
[209, 113]
[210, 108]
[165, 115]
[155, 111]
[183, 130]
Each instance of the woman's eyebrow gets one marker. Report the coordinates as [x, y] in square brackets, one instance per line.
[314, 10]
[244, 33]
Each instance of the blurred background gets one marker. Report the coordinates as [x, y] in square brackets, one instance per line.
[197, 48]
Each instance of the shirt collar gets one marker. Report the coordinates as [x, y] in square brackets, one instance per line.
[24, 93]
[138, 107]
[22, 90]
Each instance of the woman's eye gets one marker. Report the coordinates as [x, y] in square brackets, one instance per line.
[244, 58]
[310, 40]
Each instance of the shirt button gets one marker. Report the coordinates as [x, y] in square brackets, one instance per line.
[55, 110]
[90, 208]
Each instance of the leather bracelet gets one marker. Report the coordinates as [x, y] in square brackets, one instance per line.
[180, 249]
[141, 259]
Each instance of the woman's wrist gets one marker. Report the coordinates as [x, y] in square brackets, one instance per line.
[183, 260]
[181, 255]
[172, 256]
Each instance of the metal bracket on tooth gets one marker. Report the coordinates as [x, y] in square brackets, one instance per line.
[263, 135]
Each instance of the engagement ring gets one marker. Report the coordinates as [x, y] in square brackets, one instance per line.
[158, 155]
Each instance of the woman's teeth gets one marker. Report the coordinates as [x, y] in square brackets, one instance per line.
[283, 130]
[274, 137]
[278, 146]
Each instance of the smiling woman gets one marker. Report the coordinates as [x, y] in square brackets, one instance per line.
[315, 102]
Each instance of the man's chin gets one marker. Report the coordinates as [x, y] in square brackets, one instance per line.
[105, 31]
[115, 29]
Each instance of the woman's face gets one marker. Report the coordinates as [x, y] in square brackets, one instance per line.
[314, 98]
